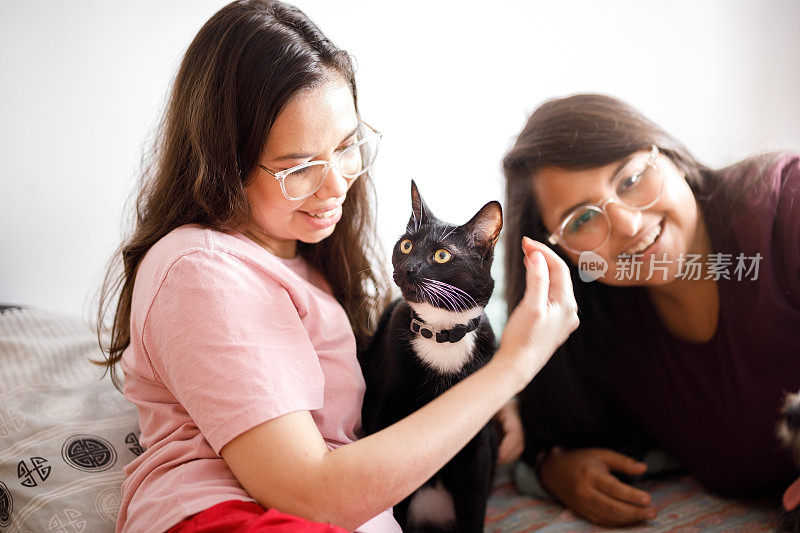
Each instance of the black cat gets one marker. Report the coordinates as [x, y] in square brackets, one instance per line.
[427, 341]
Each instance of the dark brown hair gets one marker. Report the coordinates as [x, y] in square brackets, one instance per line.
[240, 70]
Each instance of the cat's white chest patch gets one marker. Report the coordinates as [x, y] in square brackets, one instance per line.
[444, 357]
[432, 505]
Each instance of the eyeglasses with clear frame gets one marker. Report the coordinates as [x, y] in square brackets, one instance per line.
[637, 187]
[303, 180]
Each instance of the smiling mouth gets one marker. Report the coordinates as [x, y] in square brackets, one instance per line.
[647, 241]
[324, 214]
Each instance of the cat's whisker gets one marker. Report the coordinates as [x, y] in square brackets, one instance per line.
[463, 304]
[367, 299]
[466, 296]
[455, 289]
[451, 303]
[428, 294]
[386, 288]
[435, 300]
[455, 298]
[365, 270]
[434, 296]
[381, 290]
[448, 233]
[417, 221]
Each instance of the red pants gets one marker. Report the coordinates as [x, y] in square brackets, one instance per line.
[248, 517]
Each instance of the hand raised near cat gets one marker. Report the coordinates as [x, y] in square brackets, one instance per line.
[545, 316]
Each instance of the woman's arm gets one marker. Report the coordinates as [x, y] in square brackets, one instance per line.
[284, 463]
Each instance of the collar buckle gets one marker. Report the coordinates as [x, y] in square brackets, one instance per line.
[454, 334]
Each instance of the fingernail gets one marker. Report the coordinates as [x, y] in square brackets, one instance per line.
[651, 514]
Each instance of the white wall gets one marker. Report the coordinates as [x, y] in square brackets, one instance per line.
[450, 84]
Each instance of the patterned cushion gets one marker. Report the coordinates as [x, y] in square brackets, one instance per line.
[65, 434]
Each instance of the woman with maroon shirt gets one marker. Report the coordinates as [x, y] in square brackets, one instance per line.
[689, 337]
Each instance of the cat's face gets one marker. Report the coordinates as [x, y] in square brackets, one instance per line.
[446, 265]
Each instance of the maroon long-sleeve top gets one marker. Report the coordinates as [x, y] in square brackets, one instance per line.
[715, 405]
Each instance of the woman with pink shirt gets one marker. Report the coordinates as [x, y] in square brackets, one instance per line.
[248, 285]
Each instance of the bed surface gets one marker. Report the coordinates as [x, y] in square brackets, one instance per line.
[682, 504]
[65, 436]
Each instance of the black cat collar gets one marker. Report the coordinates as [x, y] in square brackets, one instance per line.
[454, 334]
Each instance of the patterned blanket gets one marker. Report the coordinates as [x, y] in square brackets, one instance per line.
[682, 505]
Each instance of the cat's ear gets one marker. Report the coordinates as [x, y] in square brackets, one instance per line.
[484, 228]
[420, 211]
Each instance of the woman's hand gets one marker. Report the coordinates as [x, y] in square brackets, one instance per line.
[513, 441]
[582, 480]
[545, 316]
[791, 497]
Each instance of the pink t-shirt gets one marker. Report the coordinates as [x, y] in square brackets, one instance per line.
[226, 336]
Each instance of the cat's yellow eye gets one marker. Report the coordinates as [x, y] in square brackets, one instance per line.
[405, 246]
[442, 256]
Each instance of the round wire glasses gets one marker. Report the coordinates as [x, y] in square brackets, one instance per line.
[637, 186]
[303, 180]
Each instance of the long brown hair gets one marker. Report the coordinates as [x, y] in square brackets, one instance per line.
[569, 402]
[243, 66]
